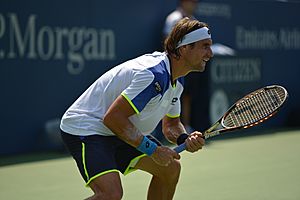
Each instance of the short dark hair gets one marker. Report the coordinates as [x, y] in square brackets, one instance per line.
[183, 27]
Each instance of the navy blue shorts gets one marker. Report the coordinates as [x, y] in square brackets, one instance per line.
[97, 155]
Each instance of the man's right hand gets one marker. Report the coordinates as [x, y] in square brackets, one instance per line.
[164, 156]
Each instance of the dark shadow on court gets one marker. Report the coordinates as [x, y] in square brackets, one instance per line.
[31, 157]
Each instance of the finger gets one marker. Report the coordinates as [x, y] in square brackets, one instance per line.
[174, 154]
[202, 136]
[191, 148]
[190, 143]
[201, 140]
[194, 143]
[199, 134]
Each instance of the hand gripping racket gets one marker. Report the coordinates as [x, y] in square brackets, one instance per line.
[247, 112]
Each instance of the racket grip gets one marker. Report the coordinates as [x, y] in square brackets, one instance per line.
[180, 148]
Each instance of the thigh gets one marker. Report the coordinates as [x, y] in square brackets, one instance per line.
[127, 156]
[94, 155]
[109, 183]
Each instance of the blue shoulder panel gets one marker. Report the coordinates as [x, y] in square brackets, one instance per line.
[159, 85]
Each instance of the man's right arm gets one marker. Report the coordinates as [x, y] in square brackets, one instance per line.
[117, 120]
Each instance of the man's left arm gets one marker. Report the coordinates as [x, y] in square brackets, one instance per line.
[172, 128]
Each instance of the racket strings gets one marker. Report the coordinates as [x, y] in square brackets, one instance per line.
[255, 108]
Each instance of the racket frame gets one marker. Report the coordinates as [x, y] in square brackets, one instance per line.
[211, 132]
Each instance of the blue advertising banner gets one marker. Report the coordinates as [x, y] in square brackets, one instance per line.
[231, 78]
[267, 30]
[51, 51]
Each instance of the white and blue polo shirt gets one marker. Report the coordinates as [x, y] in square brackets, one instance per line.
[145, 82]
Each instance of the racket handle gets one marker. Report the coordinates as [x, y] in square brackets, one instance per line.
[180, 148]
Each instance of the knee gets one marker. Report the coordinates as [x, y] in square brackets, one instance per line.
[172, 172]
[175, 169]
[113, 192]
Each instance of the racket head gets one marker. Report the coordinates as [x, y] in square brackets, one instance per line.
[255, 107]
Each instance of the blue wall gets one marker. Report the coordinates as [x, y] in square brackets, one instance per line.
[50, 51]
[269, 31]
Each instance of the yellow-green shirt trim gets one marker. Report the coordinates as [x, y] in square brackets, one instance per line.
[173, 116]
[130, 102]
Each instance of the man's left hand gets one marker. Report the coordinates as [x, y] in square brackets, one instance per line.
[194, 142]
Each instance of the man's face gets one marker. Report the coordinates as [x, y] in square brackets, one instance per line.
[197, 56]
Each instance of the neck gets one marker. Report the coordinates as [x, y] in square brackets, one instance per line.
[177, 69]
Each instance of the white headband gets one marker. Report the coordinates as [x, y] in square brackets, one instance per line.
[194, 36]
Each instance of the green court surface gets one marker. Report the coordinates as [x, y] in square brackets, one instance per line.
[264, 167]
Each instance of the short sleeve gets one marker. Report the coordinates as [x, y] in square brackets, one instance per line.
[140, 91]
[175, 110]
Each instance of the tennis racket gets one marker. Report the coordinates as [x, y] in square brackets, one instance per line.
[247, 112]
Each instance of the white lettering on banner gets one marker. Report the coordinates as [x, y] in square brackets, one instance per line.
[15, 36]
[235, 70]
[290, 38]
[76, 44]
[256, 39]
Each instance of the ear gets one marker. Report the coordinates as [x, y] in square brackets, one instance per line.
[183, 50]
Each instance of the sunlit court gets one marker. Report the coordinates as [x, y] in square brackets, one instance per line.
[258, 167]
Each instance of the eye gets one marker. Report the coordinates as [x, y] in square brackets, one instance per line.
[206, 47]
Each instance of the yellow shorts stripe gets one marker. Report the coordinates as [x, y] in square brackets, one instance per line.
[100, 174]
[83, 160]
[132, 163]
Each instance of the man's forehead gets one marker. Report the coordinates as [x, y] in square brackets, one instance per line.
[207, 41]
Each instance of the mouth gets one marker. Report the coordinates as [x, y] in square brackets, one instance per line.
[205, 61]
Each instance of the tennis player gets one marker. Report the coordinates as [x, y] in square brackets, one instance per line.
[106, 129]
